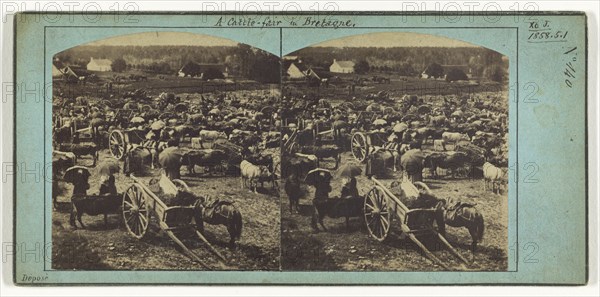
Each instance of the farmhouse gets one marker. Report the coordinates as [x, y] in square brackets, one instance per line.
[193, 69]
[297, 70]
[99, 65]
[342, 67]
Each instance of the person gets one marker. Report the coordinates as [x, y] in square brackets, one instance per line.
[349, 189]
[322, 189]
[172, 169]
[107, 185]
[293, 191]
[413, 162]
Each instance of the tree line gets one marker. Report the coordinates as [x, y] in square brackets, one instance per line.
[241, 60]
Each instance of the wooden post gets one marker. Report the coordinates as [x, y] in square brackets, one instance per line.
[186, 250]
[210, 246]
[429, 254]
[452, 250]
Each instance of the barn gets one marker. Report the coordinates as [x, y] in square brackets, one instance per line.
[297, 70]
[99, 65]
[341, 66]
[193, 69]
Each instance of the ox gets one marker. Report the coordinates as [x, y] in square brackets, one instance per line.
[493, 175]
[210, 136]
[252, 174]
[210, 158]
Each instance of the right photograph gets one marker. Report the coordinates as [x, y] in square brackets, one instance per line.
[394, 155]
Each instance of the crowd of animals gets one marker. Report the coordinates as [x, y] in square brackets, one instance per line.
[224, 133]
[455, 136]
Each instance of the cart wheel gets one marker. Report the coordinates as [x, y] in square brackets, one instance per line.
[117, 144]
[377, 214]
[135, 211]
[360, 148]
[422, 187]
[181, 185]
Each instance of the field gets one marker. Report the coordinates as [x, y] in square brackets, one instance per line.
[353, 249]
[397, 87]
[154, 85]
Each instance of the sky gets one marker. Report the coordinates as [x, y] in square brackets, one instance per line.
[394, 39]
[166, 38]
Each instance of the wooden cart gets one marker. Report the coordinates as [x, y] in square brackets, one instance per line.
[122, 141]
[380, 206]
[139, 202]
[365, 143]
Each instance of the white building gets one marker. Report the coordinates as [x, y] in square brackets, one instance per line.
[99, 65]
[342, 67]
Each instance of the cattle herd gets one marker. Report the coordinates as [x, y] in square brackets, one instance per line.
[266, 138]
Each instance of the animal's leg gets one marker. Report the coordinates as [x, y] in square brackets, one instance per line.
[105, 219]
[313, 221]
[72, 217]
[79, 215]
[347, 224]
[321, 222]
[242, 181]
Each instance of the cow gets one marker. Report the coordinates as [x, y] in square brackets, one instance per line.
[251, 175]
[299, 164]
[438, 121]
[337, 208]
[210, 136]
[438, 145]
[323, 151]
[493, 175]
[210, 158]
[79, 150]
[454, 137]
[450, 161]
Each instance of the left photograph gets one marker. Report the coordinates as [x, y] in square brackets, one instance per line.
[165, 155]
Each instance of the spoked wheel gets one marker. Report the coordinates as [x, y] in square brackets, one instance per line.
[377, 214]
[360, 148]
[117, 144]
[135, 211]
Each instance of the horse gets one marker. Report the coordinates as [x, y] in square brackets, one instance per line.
[218, 212]
[460, 214]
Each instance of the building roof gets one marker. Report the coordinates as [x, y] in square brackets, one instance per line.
[344, 64]
[301, 66]
[101, 62]
[319, 72]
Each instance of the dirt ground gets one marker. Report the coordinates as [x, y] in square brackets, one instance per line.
[353, 250]
[111, 247]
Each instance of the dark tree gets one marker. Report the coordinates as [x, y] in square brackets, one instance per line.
[212, 73]
[434, 70]
[494, 72]
[361, 67]
[119, 65]
[455, 74]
